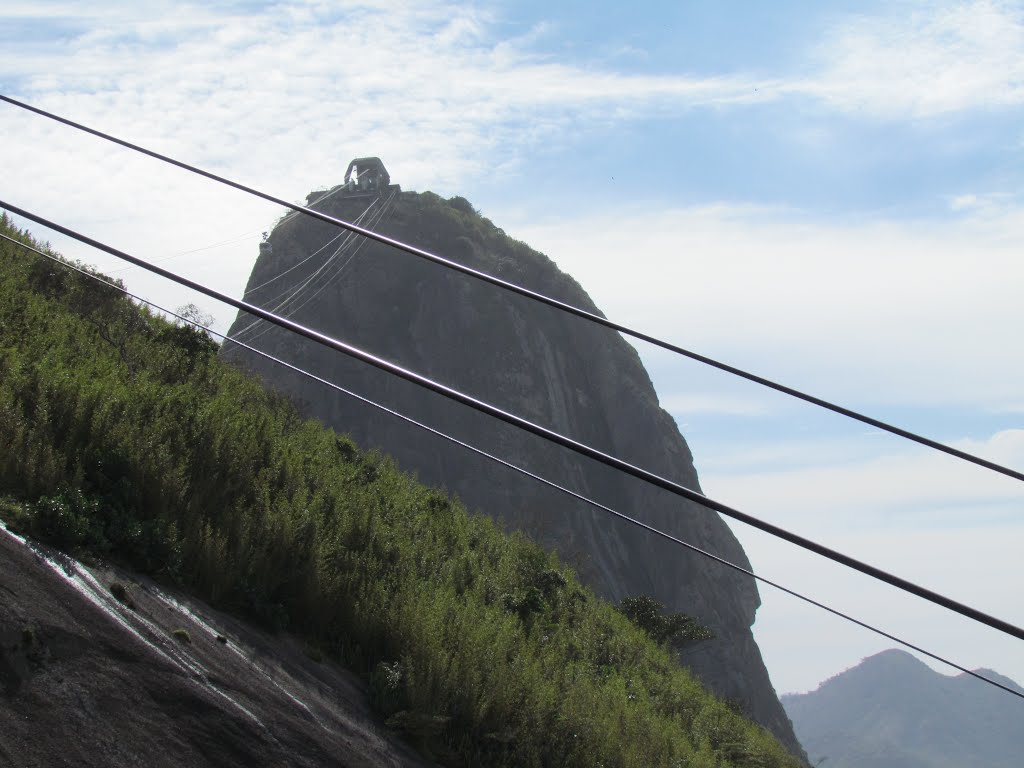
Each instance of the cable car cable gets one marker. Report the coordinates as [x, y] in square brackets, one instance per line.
[549, 483]
[541, 298]
[543, 432]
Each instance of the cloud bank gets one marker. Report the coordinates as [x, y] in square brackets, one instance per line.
[916, 312]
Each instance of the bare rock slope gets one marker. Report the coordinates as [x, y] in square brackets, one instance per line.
[87, 679]
[552, 368]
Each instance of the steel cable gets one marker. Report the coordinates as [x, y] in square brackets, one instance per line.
[539, 297]
[543, 432]
[531, 475]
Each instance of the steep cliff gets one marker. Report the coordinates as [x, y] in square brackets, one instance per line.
[551, 368]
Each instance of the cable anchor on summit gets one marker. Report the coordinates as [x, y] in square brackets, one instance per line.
[367, 176]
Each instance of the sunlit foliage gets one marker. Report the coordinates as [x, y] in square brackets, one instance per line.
[122, 436]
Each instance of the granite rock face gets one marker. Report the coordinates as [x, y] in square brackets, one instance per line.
[547, 366]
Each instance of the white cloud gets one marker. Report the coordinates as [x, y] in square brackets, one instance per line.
[964, 202]
[1005, 447]
[948, 527]
[802, 645]
[991, 209]
[681, 405]
[744, 456]
[332, 78]
[314, 79]
[907, 490]
[924, 59]
[281, 97]
[918, 312]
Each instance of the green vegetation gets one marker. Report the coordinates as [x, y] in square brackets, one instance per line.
[182, 636]
[122, 436]
[674, 628]
[455, 228]
[460, 203]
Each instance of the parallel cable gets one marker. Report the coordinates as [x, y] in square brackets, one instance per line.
[331, 279]
[281, 299]
[539, 297]
[372, 221]
[543, 432]
[525, 472]
[294, 292]
[220, 244]
[324, 196]
[314, 253]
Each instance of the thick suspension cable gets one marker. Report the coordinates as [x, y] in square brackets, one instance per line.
[539, 297]
[525, 472]
[543, 432]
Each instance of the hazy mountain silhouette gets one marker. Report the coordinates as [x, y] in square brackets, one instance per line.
[893, 711]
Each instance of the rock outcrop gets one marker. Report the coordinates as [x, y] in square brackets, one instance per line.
[549, 367]
[101, 668]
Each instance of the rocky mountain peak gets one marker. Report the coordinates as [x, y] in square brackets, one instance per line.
[549, 367]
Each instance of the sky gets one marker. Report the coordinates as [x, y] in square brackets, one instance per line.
[829, 194]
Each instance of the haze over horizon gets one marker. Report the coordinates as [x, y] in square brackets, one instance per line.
[828, 194]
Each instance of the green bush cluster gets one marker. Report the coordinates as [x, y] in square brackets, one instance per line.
[676, 629]
[123, 436]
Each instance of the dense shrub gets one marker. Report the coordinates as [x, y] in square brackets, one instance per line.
[122, 435]
[672, 628]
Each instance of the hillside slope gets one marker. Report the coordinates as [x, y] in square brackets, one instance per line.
[87, 681]
[554, 369]
[893, 711]
[123, 439]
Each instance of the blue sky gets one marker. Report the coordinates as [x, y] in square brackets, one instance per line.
[829, 194]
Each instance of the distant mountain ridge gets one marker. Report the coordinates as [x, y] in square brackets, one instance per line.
[894, 711]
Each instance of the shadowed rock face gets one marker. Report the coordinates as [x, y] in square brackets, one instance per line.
[549, 367]
[89, 679]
